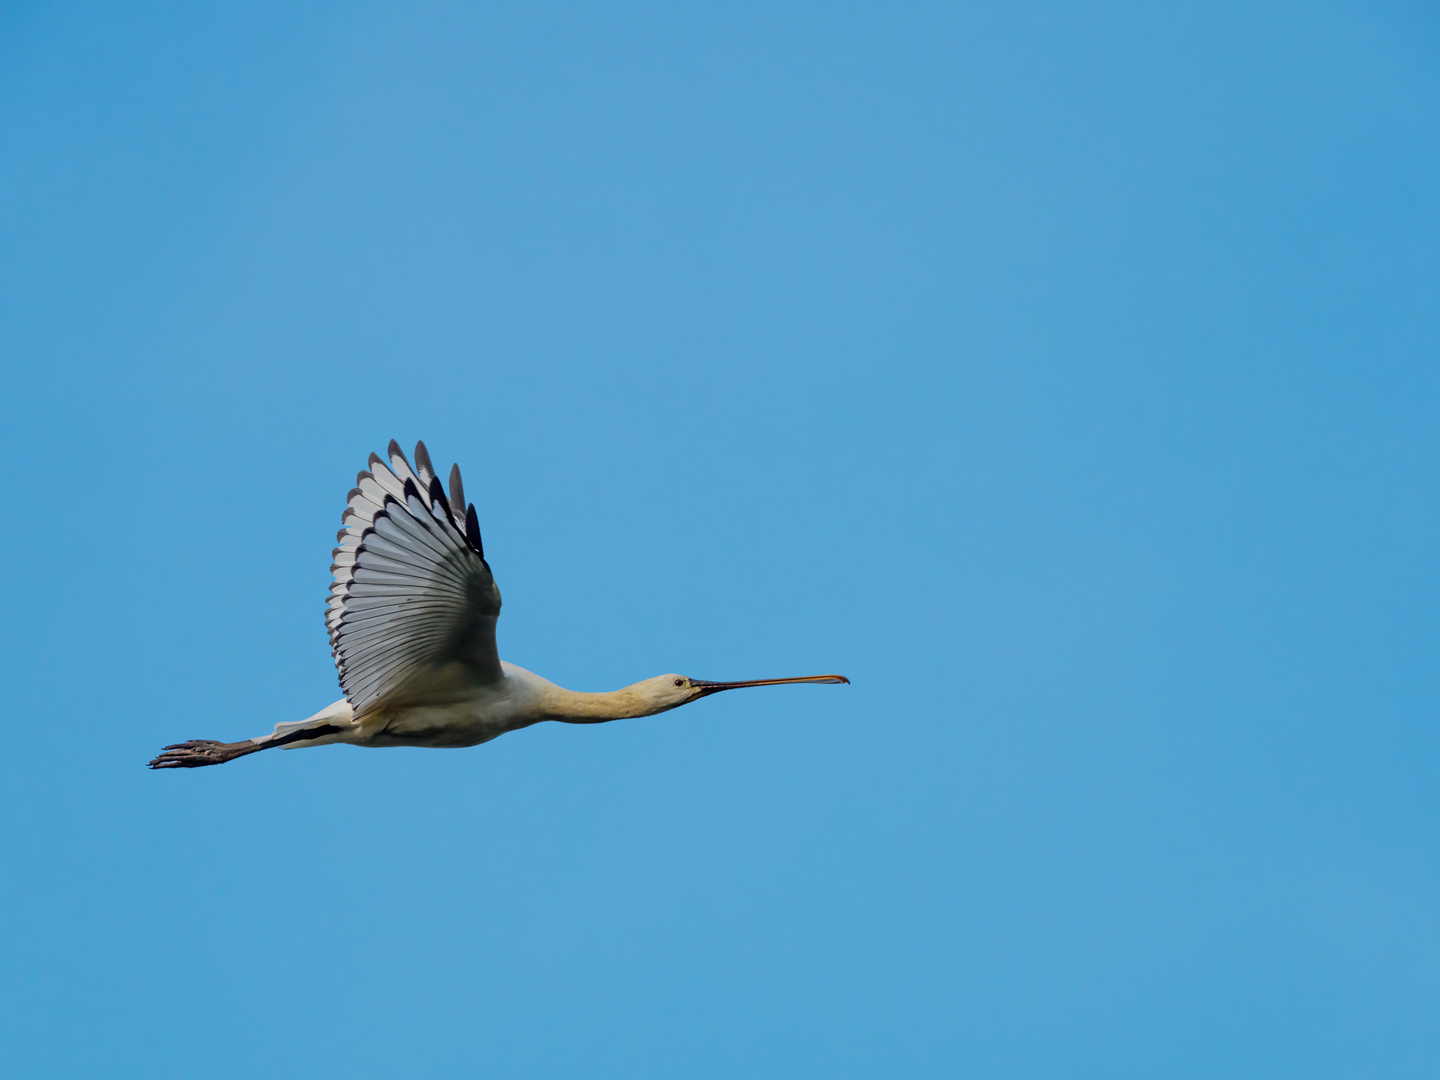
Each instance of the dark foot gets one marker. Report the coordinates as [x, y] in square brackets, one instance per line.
[198, 752]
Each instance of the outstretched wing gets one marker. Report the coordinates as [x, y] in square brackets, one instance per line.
[412, 612]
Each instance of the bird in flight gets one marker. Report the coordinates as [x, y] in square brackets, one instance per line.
[412, 618]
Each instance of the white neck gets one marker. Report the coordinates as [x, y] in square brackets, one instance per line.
[578, 707]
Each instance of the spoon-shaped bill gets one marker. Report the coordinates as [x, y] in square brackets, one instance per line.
[716, 687]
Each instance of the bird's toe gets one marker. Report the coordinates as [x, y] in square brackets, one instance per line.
[189, 755]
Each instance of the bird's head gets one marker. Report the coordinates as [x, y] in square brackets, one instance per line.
[671, 690]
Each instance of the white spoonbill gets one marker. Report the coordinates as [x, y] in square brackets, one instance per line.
[412, 628]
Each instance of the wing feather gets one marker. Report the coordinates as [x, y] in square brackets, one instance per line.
[423, 469]
[413, 606]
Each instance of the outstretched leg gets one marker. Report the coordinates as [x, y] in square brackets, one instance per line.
[198, 752]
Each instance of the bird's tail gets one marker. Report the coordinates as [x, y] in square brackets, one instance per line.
[308, 732]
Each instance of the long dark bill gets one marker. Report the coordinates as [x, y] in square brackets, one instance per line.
[716, 687]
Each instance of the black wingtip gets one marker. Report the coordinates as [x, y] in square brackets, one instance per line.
[422, 459]
[457, 489]
[472, 530]
[437, 498]
[396, 454]
[411, 491]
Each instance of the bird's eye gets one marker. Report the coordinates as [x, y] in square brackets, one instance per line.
[679, 682]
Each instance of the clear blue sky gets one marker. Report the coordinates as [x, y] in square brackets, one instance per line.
[1066, 375]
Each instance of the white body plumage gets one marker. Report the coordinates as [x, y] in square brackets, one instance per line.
[520, 700]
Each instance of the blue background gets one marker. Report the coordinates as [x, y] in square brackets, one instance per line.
[1065, 374]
